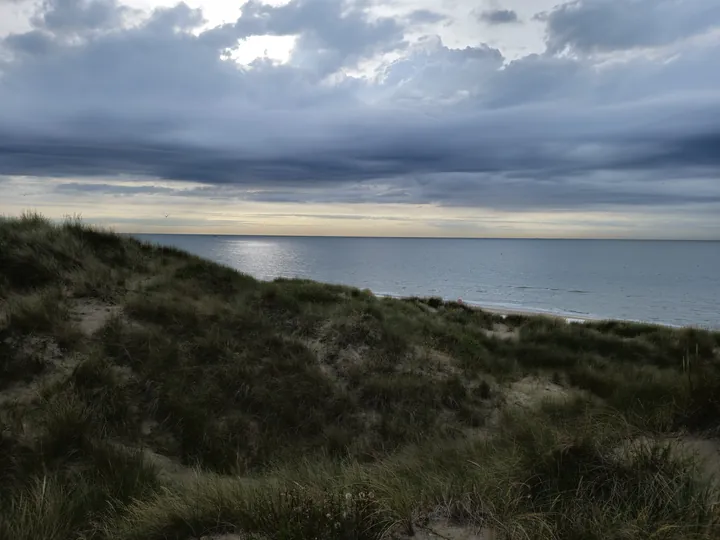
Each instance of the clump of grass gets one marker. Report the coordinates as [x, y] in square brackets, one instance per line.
[18, 363]
[71, 504]
[220, 279]
[220, 506]
[66, 426]
[41, 313]
[47, 509]
[29, 257]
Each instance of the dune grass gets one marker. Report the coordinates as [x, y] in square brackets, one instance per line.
[149, 394]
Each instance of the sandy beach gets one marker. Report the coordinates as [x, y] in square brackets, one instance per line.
[526, 312]
[505, 311]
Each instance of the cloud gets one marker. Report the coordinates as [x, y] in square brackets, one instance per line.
[79, 16]
[425, 16]
[33, 43]
[430, 71]
[499, 16]
[611, 25]
[331, 33]
[94, 90]
[89, 188]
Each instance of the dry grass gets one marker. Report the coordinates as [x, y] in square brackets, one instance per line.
[146, 393]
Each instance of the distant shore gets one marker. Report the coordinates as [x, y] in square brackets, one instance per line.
[580, 281]
[567, 317]
[571, 318]
[506, 311]
[529, 312]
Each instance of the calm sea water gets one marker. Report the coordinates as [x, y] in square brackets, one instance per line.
[675, 283]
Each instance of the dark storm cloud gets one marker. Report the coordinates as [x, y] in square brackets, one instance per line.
[607, 25]
[85, 96]
[613, 138]
[398, 153]
[499, 16]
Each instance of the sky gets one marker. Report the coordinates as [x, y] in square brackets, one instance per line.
[478, 118]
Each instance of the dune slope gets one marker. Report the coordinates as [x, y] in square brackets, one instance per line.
[149, 394]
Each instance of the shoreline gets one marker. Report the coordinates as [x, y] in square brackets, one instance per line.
[529, 312]
[579, 318]
[505, 312]
[499, 297]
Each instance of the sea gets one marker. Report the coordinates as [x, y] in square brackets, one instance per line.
[676, 283]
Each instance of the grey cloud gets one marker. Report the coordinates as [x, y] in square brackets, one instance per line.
[444, 126]
[170, 222]
[331, 33]
[507, 192]
[79, 15]
[113, 189]
[35, 42]
[609, 25]
[361, 217]
[405, 147]
[178, 17]
[555, 194]
[499, 16]
[430, 70]
[425, 16]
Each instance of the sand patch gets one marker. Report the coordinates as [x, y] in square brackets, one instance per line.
[333, 362]
[229, 537]
[530, 392]
[123, 374]
[169, 469]
[438, 358]
[142, 284]
[705, 452]
[436, 531]
[446, 531]
[58, 368]
[502, 331]
[36, 346]
[147, 427]
[91, 315]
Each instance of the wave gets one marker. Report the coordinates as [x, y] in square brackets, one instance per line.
[552, 289]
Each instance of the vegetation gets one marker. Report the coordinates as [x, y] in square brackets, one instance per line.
[148, 394]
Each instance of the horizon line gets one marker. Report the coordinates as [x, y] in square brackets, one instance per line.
[369, 237]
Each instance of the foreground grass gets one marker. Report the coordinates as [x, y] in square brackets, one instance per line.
[149, 394]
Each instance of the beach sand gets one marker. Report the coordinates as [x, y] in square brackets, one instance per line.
[504, 312]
